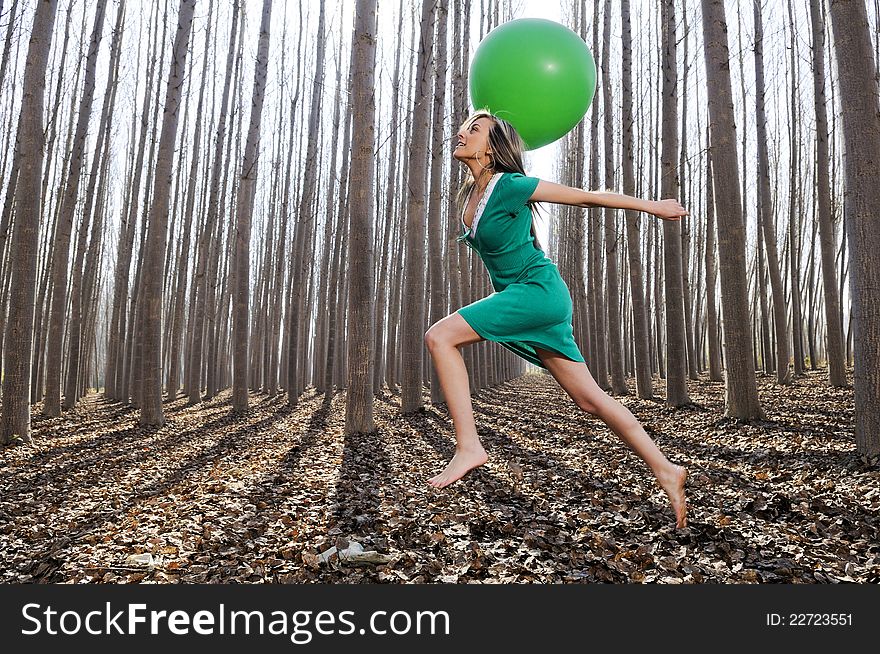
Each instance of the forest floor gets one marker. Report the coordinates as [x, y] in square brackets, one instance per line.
[213, 498]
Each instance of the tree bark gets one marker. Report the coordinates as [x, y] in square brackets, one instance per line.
[243, 216]
[741, 392]
[414, 282]
[676, 353]
[16, 415]
[154, 254]
[633, 221]
[861, 135]
[768, 222]
[615, 344]
[715, 373]
[833, 330]
[436, 249]
[52, 401]
[361, 266]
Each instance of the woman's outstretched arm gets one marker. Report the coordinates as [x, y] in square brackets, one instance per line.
[669, 209]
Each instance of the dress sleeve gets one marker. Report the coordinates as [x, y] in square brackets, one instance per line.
[518, 190]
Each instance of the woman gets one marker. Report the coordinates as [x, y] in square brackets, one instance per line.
[530, 312]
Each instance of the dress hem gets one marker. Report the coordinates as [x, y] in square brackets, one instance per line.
[506, 343]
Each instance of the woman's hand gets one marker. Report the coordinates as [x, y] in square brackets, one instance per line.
[667, 209]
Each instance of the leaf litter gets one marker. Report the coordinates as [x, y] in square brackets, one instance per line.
[281, 495]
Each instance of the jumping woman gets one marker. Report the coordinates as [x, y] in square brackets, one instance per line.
[530, 312]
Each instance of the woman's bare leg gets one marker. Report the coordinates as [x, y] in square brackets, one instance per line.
[576, 380]
[443, 340]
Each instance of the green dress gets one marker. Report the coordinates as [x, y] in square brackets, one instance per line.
[531, 306]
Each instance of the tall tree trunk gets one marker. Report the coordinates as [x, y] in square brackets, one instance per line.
[183, 267]
[633, 222]
[615, 344]
[52, 402]
[676, 354]
[391, 196]
[75, 323]
[685, 222]
[414, 292]
[715, 373]
[833, 329]
[154, 253]
[201, 277]
[861, 135]
[243, 216]
[741, 391]
[16, 415]
[780, 314]
[794, 220]
[436, 249]
[599, 356]
[361, 289]
[305, 233]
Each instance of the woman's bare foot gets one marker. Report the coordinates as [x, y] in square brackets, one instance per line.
[673, 484]
[463, 462]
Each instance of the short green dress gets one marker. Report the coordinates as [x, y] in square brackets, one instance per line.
[531, 306]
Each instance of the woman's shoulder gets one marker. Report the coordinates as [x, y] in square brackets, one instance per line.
[518, 188]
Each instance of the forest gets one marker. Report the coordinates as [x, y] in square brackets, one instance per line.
[226, 227]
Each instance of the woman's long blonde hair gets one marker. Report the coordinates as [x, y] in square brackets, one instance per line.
[506, 157]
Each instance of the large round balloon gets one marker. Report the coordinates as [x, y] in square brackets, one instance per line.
[536, 74]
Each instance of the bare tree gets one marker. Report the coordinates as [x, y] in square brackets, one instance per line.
[741, 398]
[243, 216]
[299, 315]
[765, 210]
[200, 282]
[833, 328]
[436, 258]
[154, 254]
[361, 293]
[16, 416]
[75, 324]
[633, 220]
[413, 344]
[711, 273]
[612, 281]
[676, 353]
[61, 252]
[861, 136]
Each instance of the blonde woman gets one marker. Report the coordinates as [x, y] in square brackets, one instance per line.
[530, 312]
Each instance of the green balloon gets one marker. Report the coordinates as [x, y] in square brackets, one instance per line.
[536, 74]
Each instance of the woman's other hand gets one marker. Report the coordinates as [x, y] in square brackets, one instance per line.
[668, 209]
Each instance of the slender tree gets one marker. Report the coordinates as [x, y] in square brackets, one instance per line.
[299, 315]
[361, 289]
[154, 255]
[676, 353]
[437, 270]
[861, 137]
[612, 281]
[712, 326]
[741, 391]
[200, 281]
[833, 329]
[765, 208]
[243, 217]
[16, 416]
[61, 252]
[413, 344]
[633, 220]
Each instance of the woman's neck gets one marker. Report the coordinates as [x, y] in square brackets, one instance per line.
[481, 178]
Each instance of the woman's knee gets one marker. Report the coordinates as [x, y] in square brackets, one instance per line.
[435, 337]
[590, 403]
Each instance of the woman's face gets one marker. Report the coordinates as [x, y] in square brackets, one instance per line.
[473, 141]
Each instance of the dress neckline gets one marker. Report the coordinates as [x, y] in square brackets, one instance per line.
[481, 206]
